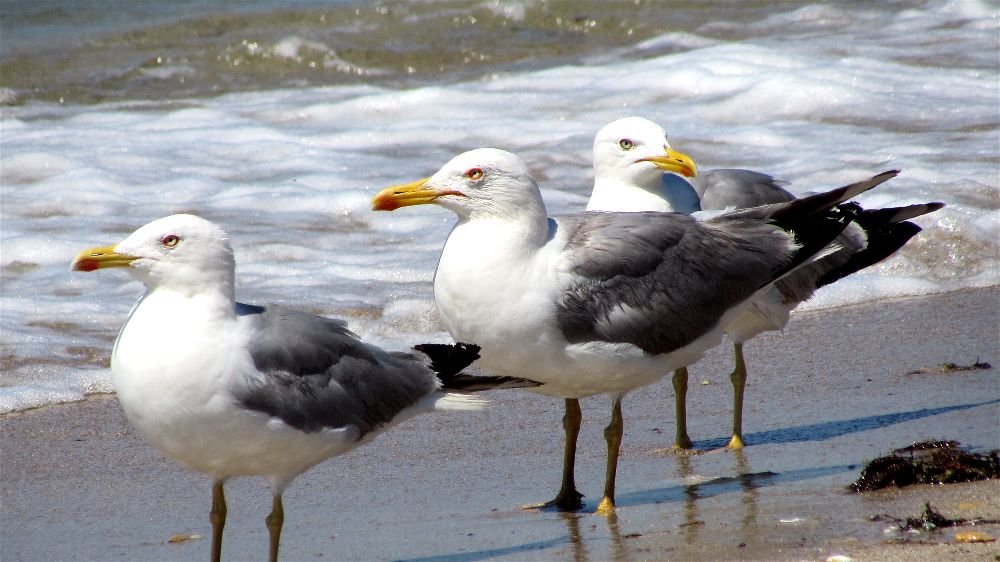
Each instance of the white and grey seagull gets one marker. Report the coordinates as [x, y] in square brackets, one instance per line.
[600, 303]
[635, 169]
[231, 389]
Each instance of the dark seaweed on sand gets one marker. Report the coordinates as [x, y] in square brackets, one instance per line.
[946, 368]
[931, 520]
[928, 462]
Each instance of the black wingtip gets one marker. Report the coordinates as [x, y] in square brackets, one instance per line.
[877, 218]
[804, 208]
[448, 360]
[478, 383]
[882, 243]
[883, 176]
[887, 230]
[815, 234]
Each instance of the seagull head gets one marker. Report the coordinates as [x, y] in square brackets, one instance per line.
[486, 182]
[183, 252]
[635, 151]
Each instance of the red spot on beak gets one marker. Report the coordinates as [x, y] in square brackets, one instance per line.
[86, 265]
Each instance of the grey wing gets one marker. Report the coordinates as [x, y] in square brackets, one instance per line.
[661, 280]
[739, 189]
[313, 373]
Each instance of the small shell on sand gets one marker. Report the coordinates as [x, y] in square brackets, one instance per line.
[973, 536]
[182, 537]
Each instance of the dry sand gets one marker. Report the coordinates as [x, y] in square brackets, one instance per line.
[831, 393]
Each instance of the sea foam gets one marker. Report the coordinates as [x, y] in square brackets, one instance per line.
[289, 173]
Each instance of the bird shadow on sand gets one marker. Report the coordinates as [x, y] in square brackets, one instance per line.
[493, 552]
[726, 484]
[745, 482]
[838, 428]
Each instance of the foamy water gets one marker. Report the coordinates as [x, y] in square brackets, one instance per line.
[818, 95]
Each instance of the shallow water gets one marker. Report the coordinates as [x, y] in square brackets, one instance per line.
[154, 119]
[80, 51]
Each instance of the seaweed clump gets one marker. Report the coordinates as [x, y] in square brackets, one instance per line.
[946, 368]
[931, 520]
[928, 462]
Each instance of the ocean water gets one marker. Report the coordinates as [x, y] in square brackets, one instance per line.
[280, 120]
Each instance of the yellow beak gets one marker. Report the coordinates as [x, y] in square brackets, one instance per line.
[416, 193]
[100, 258]
[673, 161]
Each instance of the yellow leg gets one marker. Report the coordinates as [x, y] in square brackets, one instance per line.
[680, 380]
[613, 435]
[739, 380]
[274, 521]
[218, 518]
[568, 499]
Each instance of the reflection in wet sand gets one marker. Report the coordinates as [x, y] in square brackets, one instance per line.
[749, 500]
[692, 524]
[738, 481]
[744, 479]
[618, 549]
[576, 541]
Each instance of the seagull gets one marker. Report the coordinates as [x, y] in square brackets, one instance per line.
[600, 303]
[232, 389]
[635, 169]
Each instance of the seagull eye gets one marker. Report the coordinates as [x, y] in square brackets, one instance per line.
[170, 240]
[626, 144]
[474, 174]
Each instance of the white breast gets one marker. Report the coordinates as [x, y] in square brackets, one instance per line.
[174, 366]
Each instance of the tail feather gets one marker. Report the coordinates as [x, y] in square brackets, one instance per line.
[448, 361]
[458, 401]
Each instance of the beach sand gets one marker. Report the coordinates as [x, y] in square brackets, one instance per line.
[833, 392]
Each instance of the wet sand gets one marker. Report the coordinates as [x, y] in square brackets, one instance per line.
[831, 393]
